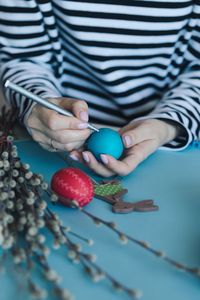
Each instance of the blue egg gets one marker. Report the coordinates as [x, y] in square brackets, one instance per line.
[105, 141]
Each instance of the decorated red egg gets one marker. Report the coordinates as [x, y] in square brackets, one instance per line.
[72, 184]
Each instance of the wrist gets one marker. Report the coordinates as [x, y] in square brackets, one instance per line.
[172, 129]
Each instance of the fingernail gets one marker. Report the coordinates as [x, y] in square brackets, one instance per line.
[74, 157]
[82, 125]
[127, 140]
[104, 159]
[86, 157]
[84, 116]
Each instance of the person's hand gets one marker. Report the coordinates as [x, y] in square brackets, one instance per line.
[140, 138]
[55, 131]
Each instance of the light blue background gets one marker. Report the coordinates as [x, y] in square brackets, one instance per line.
[172, 179]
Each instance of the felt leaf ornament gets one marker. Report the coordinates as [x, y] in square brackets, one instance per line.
[112, 192]
[107, 189]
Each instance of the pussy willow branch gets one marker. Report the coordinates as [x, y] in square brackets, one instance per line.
[21, 213]
[88, 260]
[24, 213]
[125, 237]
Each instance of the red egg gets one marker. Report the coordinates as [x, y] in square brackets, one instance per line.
[72, 184]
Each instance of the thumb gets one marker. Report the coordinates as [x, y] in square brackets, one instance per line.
[79, 108]
[135, 135]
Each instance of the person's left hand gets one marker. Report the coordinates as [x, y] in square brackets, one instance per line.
[140, 139]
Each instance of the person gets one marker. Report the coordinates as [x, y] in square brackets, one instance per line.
[136, 64]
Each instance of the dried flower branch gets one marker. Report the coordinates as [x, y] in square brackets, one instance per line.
[87, 260]
[24, 216]
[124, 238]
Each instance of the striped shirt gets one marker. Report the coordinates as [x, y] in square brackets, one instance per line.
[128, 59]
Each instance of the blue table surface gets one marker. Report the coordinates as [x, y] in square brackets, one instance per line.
[172, 179]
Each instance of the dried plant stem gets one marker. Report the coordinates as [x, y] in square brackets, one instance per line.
[88, 261]
[53, 277]
[22, 211]
[125, 238]
[80, 237]
[67, 229]
[25, 267]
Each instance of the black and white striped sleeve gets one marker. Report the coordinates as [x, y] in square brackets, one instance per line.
[26, 54]
[181, 103]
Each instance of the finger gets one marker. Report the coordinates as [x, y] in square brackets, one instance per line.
[48, 143]
[66, 147]
[77, 156]
[69, 136]
[79, 108]
[128, 127]
[115, 166]
[132, 159]
[139, 153]
[61, 136]
[96, 166]
[137, 135]
[55, 121]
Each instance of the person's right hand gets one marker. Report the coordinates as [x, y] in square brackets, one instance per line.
[55, 131]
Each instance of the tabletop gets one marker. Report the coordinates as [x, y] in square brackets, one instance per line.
[172, 180]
